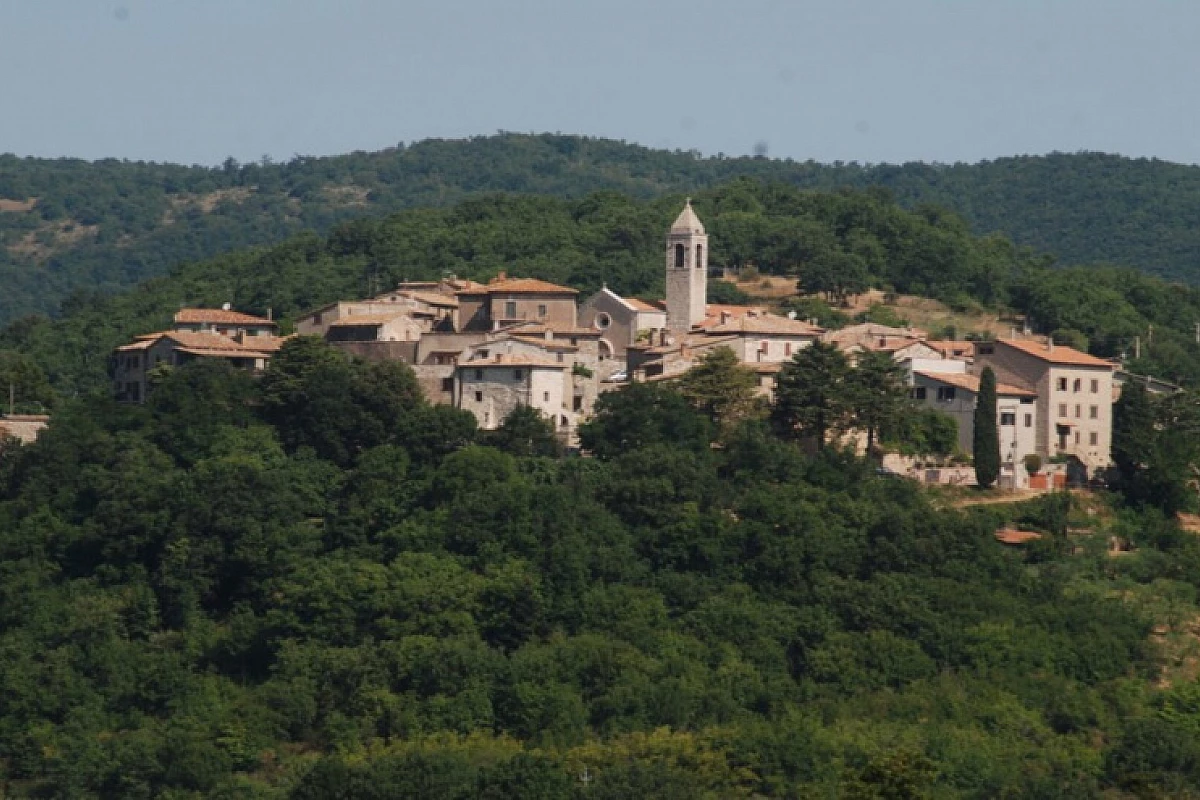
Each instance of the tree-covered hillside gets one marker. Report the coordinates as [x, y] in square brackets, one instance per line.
[69, 225]
[315, 585]
[830, 239]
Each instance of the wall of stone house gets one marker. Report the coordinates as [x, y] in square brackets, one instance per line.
[1080, 405]
[1019, 369]
[447, 342]
[492, 392]
[961, 409]
[473, 313]
[621, 330]
[560, 310]
[437, 382]
[380, 351]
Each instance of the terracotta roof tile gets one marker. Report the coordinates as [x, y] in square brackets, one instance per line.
[642, 305]
[765, 324]
[512, 360]
[1058, 354]
[218, 316]
[522, 286]
[971, 383]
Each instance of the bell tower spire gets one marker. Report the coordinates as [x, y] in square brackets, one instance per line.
[687, 271]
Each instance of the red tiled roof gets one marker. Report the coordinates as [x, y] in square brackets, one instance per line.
[521, 286]
[971, 383]
[1057, 354]
[765, 324]
[1014, 536]
[511, 360]
[219, 316]
[642, 305]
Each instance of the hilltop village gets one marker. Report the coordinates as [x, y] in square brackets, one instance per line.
[516, 341]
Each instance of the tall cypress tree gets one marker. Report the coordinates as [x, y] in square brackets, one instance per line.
[986, 442]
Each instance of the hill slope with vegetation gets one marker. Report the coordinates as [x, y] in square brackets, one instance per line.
[838, 243]
[315, 585]
[69, 225]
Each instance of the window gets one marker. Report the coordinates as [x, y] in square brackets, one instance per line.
[518, 374]
[787, 348]
[545, 397]
[1029, 420]
[1008, 418]
[479, 397]
[1093, 438]
[447, 384]
[918, 393]
[764, 346]
[680, 256]
[558, 357]
[603, 320]
[317, 318]
[483, 353]
[699, 256]
[478, 374]
[1062, 409]
[577, 405]
[1095, 386]
[1076, 437]
[1093, 412]
[1062, 384]
[1078, 411]
[541, 310]
[985, 349]
[510, 309]
[946, 393]
[1078, 385]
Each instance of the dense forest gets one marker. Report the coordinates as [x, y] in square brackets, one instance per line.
[67, 224]
[315, 585]
[836, 242]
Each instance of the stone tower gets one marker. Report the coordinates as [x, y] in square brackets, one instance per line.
[687, 271]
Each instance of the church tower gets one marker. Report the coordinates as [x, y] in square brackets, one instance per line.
[687, 271]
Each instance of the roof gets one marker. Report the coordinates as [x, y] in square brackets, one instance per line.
[23, 427]
[142, 343]
[1056, 354]
[971, 383]
[362, 320]
[765, 324]
[531, 327]
[512, 360]
[687, 221]
[1014, 536]
[433, 299]
[950, 347]
[642, 305]
[219, 316]
[502, 284]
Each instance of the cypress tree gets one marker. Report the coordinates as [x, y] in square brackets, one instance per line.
[986, 443]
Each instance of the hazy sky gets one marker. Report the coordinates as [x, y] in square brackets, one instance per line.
[874, 80]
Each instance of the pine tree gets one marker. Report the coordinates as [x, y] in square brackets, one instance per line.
[811, 396]
[986, 443]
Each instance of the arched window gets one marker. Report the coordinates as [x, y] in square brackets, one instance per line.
[699, 256]
[680, 255]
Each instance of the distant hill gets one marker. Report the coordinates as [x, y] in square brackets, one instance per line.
[69, 225]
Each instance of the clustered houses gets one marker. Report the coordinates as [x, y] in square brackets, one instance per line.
[488, 348]
[245, 341]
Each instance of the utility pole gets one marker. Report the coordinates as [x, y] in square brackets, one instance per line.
[1137, 347]
[12, 398]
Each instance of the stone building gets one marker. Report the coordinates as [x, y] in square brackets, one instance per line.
[247, 342]
[687, 271]
[492, 387]
[621, 321]
[1074, 395]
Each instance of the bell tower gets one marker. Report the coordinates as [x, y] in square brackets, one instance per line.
[687, 271]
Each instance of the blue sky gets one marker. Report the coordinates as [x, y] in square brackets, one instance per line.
[195, 81]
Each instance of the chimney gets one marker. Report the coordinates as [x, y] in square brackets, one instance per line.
[725, 317]
[1049, 344]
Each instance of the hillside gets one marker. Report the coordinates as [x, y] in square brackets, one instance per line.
[316, 586]
[68, 225]
[839, 242]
